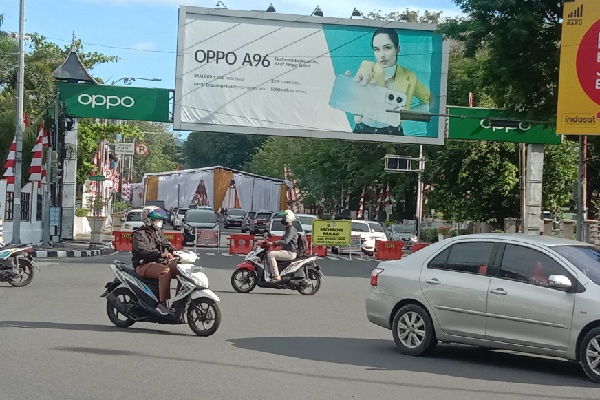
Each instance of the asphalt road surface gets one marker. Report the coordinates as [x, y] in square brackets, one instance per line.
[57, 343]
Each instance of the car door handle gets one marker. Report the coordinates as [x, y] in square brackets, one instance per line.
[498, 291]
[433, 281]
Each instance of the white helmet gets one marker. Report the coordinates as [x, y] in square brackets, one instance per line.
[287, 216]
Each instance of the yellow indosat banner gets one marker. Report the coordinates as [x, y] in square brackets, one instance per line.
[264, 73]
[579, 82]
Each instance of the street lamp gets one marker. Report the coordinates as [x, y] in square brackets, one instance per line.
[220, 3]
[317, 12]
[128, 80]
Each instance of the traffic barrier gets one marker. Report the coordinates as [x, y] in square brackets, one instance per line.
[388, 250]
[123, 240]
[320, 250]
[419, 246]
[240, 244]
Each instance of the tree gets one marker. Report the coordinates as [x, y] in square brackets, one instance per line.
[521, 42]
[209, 149]
[560, 172]
[162, 154]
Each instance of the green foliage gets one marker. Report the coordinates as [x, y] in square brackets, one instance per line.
[209, 149]
[89, 136]
[429, 235]
[163, 154]
[119, 206]
[520, 40]
[560, 172]
[82, 212]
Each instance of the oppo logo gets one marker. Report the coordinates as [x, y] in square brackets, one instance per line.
[98, 100]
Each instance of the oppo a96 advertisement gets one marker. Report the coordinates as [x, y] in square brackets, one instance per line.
[277, 74]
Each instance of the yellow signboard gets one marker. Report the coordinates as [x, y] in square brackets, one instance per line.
[331, 233]
[579, 80]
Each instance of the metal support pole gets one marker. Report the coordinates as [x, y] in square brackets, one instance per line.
[46, 200]
[16, 237]
[419, 214]
[581, 189]
[523, 187]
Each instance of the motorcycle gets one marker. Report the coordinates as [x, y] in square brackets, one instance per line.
[16, 265]
[302, 274]
[131, 298]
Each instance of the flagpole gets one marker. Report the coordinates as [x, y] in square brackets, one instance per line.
[16, 238]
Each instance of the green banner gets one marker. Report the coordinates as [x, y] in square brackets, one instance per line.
[473, 123]
[115, 102]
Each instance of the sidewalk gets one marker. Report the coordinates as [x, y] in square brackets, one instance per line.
[80, 247]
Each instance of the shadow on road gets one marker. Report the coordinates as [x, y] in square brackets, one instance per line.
[81, 327]
[450, 360]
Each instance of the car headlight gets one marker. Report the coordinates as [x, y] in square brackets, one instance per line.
[127, 226]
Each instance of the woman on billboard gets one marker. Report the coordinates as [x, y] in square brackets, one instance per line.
[401, 86]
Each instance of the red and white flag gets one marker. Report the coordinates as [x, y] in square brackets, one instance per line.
[388, 196]
[37, 172]
[9, 167]
[379, 200]
[361, 206]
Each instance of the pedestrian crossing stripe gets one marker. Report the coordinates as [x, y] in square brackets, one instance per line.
[338, 258]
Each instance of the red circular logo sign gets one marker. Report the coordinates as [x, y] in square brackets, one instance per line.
[588, 63]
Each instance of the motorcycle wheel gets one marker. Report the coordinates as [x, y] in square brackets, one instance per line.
[243, 280]
[204, 316]
[25, 277]
[315, 283]
[124, 295]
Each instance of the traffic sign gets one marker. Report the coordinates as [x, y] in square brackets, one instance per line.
[108, 174]
[141, 149]
[125, 149]
[97, 178]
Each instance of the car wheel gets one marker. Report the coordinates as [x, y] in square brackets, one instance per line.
[413, 331]
[589, 354]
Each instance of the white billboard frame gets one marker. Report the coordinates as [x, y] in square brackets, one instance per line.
[188, 12]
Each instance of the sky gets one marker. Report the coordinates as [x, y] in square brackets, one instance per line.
[143, 33]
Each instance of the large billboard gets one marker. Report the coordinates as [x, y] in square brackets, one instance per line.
[579, 81]
[474, 123]
[115, 102]
[277, 74]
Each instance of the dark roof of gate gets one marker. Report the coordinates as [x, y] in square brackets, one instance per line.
[73, 71]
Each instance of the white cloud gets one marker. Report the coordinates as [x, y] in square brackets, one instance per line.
[144, 46]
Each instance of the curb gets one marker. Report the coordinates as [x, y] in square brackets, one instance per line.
[65, 253]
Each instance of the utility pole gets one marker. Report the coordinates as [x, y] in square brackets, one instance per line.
[419, 210]
[16, 239]
[581, 190]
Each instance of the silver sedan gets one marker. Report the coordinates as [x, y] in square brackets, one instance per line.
[536, 294]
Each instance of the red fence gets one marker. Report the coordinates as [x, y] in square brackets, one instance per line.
[122, 240]
[388, 250]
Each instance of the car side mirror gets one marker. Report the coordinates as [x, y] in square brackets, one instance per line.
[559, 282]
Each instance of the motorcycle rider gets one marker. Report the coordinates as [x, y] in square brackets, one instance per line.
[289, 244]
[148, 248]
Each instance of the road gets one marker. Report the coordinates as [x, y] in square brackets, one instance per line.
[57, 343]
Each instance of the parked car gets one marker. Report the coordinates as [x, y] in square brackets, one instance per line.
[537, 294]
[306, 221]
[132, 219]
[377, 231]
[234, 218]
[178, 216]
[402, 233]
[201, 219]
[276, 228]
[260, 223]
[247, 222]
[360, 228]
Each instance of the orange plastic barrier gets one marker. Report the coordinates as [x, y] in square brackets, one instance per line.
[122, 241]
[388, 250]
[320, 251]
[419, 246]
[240, 244]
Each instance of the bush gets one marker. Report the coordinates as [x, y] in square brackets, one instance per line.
[119, 207]
[82, 212]
[429, 235]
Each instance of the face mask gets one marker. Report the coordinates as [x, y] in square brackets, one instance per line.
[157, 224]
[389, 72]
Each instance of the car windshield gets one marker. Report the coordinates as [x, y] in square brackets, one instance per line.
[201, 216]
[263, 216]
[250, 214]
[376, 227]
[277, 226]
[306, 220]
[585, 258]
[182, 211]
[360, 227]
[400, 228]
[134, 216]
[236, 212]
